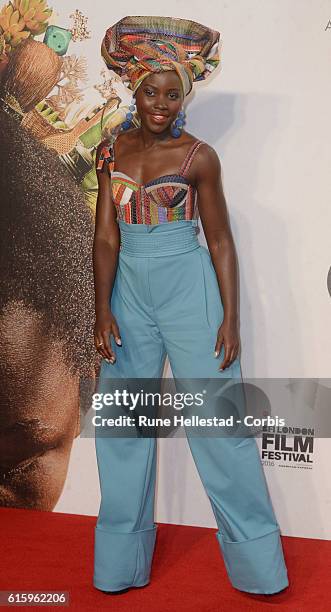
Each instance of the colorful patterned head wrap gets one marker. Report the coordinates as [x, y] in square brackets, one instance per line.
[137, 46]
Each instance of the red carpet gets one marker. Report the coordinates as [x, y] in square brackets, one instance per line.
[52, 551]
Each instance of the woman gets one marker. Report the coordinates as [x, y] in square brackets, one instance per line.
[158, 292]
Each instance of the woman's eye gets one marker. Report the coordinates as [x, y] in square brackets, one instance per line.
[173, 96]
[21, 468]
[148, 92]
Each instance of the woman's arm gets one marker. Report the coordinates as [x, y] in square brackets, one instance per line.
[216, 225]
[106, 246]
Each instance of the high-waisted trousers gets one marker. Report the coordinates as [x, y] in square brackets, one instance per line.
[166, 301]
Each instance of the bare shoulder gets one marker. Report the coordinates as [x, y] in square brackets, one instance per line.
[187, 138]
[127, 139]
[206, 155]
[206, 161]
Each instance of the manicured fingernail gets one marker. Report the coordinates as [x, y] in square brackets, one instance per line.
[118, 341]
[216, 353]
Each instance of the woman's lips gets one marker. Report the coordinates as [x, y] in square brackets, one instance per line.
[159, 118]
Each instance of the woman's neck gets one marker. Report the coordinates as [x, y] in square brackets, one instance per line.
[149, 140]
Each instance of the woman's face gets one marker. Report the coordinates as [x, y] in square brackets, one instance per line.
[39, 416]
[159, 99]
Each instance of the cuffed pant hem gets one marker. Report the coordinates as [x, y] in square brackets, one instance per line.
[122, 560]
[105, 587]
[256, 565]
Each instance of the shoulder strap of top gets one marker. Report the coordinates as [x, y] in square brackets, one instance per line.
[105, 158]
[189, 157]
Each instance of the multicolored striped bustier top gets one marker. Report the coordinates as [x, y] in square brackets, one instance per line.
[167, 198]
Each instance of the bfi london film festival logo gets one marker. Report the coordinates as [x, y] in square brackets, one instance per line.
[285, 444]
[288, 447]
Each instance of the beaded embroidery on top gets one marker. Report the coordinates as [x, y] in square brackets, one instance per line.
[166, 198]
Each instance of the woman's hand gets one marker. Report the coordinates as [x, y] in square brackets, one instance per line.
[105, 326]
[228, 335]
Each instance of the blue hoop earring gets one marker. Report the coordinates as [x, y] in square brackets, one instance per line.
[177, 127]
[127, 123]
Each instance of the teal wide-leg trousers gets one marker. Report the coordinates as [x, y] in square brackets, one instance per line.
[166, 301]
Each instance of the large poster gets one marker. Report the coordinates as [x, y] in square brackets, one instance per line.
[52, 117]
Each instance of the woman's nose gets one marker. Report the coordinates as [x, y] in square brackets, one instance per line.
[160, 103]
